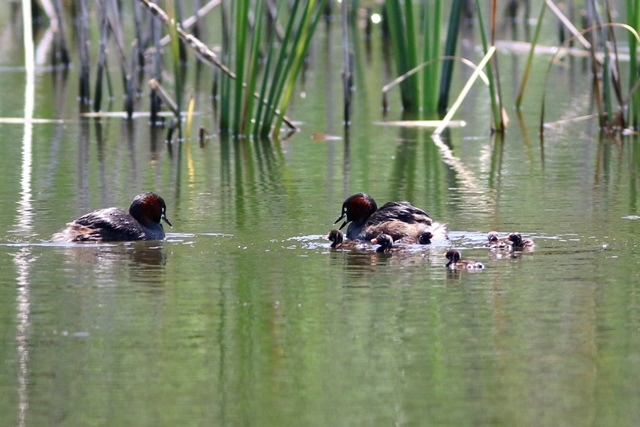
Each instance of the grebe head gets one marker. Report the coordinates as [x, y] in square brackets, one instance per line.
[336, 238]
[515, 238]
[425, 238]
[493, 237]
[385, 241]
[453, 255]
[358, 207]
[149, 208]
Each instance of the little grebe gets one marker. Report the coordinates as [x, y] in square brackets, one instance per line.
[385, 241]
[401, 220]
[336, 238]
[425, 238]
[338, 242]
[455, 263]
[142, 222]
[495, 242]
[518, 243]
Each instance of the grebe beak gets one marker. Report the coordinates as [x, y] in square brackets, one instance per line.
[344, 213]
[164, 218]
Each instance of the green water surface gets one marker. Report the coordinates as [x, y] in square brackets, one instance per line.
[245, 316]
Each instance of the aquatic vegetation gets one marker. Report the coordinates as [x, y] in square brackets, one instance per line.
[260, 48]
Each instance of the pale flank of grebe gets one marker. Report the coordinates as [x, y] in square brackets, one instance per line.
[142, 222]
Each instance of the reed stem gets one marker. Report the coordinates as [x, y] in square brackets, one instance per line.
[207, 55]
[633, 19]
[450, 50]
[527, 68]
[495, 103]
[83, 48]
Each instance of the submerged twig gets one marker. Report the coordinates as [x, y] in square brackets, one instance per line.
[164, 96]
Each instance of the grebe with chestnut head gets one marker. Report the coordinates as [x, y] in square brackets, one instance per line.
[142, 222]
[400, 220]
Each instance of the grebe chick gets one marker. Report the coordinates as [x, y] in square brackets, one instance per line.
[456, 263]
[338, 241]
[336, 238]
[495, 242]
[518, 243]
[385, 241]
[425, 238]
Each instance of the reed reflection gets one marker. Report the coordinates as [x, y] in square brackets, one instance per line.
[250, 168]
[404, 166]
[83, 163]
[407, 170]
[632, 144]
[100, 144]
[495, 171]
